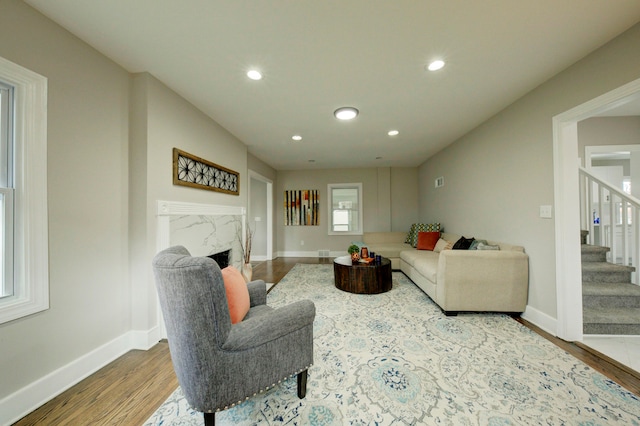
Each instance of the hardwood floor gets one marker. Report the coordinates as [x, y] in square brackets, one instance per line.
[125, 392]
[130, 389]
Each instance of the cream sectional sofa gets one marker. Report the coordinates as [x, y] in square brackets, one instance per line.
[387, 244]
[460, 280]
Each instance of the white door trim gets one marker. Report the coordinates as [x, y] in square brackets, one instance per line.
[566, 199]
[269, 183]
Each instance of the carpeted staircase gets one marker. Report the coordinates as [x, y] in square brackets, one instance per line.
[610, 302]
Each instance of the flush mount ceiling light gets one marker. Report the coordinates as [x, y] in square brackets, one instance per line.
[296, 137]
[254, 75]
[393, 133]
[346, 113]
[435, 65]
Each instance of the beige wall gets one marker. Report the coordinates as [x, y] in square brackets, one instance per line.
[601, 131]
[385, 192]
[171, 122]
[87, 200]
[404, 198]
[498, 175]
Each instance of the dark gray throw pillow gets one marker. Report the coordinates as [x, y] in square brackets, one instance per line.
[463, 243]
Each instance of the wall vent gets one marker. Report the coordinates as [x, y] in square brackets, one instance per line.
[439, 182]
[323, 253]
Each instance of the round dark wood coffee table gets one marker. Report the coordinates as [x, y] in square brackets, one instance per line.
[362, 278]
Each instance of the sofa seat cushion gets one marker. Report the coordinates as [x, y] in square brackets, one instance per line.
[423, 261]
[428, 267]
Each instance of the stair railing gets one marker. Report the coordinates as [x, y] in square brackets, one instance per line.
[612, 218]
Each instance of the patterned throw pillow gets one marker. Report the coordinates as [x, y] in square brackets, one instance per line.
[412, 237]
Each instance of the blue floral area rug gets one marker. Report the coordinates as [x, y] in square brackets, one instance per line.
[395, 359]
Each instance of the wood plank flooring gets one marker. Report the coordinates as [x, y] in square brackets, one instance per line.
[125, 392]
[130, 389]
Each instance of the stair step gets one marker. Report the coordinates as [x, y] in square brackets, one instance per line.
[624, 321]
[601, 295]
[594, 253]
[610, 289]
[606, 272]
[583, 236]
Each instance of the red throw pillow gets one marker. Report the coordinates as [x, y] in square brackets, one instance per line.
[427, 240]
[237, 293]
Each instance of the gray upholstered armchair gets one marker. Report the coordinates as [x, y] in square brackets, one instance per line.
[219, 364]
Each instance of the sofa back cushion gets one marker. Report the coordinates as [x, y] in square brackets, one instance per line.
[384, 237]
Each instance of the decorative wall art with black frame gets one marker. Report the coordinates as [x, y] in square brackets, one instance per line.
[196, 172]
[301, 207]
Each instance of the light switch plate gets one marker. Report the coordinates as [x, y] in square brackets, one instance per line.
[545, 212]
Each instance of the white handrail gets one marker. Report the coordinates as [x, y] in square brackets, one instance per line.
[612, 219]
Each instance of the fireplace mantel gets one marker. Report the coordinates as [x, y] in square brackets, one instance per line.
[178, 208]
[202, 228]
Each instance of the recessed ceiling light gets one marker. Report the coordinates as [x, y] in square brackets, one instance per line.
[346, 113]
[254, 75]
[378, 158]
[393, 133]
[296, 137]
[312, 161]
[435, 65]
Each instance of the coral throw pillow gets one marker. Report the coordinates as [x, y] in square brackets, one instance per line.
[427, 240]
[237, 293]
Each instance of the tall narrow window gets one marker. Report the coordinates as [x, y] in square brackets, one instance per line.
[345, 208]
[24, 255]
[6, 190]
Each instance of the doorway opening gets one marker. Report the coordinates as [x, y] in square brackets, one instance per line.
[260, 216]
[622, 101]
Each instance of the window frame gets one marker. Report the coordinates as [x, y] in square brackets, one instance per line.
[330, 210]
[30, 215]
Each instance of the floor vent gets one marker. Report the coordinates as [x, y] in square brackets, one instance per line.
[323, 253]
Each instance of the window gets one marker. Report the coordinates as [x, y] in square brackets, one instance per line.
[6, 190]
[24, 263]
[345, 208]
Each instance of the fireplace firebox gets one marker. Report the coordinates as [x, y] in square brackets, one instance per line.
[221, 258]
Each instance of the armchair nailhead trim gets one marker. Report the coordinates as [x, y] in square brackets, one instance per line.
[217, 410]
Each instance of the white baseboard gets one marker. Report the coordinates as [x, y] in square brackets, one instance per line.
[540, 319]
[17, 405]
[145, 340]
[313, 253]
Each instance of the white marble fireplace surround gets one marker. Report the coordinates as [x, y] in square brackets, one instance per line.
[204, 229]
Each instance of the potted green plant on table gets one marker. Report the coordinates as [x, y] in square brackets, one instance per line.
[354, 251]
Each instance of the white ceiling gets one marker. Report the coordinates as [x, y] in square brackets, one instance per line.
[319, 55]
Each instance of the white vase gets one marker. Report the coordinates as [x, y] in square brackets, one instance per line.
[247, 271]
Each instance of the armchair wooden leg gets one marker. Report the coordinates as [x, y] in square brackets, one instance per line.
[302, 384]
[209, 419]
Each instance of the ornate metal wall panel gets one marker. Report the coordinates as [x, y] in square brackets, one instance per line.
[189, 170]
